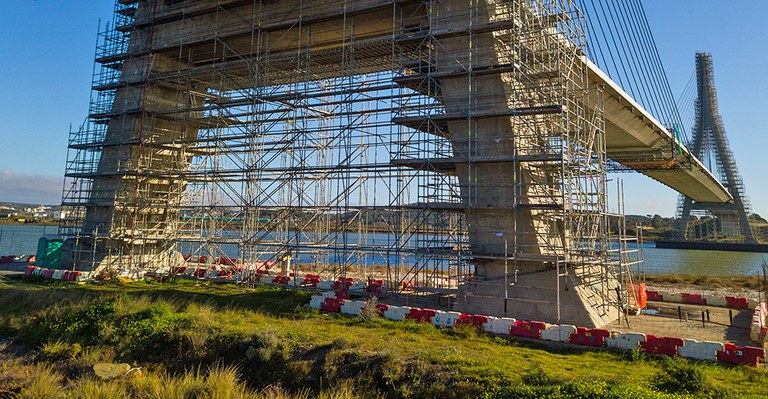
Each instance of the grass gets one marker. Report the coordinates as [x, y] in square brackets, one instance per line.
[208, 340]
[215, 382]
[706, 282]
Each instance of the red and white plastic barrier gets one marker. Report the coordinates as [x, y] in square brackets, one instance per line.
[706, 350]
[661, 345]
[397, 313]
[747, 355]
[558, 333]
[55, 274]
[714, 300]
[311, 280]
[590, 337]
[625, 341]
[499, 325]
[316, 301]
[528, 329]
[352, 307]
[445, 319]
[759, 327]
[472, 319]
[420, 314]
[701, 299]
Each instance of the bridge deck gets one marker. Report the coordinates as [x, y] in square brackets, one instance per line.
[637, 140]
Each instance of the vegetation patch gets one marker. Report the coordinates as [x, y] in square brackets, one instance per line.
[680, 376]
[744, 283]
[184, 339]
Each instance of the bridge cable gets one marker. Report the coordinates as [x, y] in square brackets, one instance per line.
[612, 25]
[666, 104]
[643, 69]
[659, 64]
[610, 53]
[624, 31]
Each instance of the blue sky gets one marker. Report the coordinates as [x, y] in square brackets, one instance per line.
[735, 34]
[46, 61]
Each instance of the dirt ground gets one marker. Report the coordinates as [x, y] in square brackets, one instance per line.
[686, 323]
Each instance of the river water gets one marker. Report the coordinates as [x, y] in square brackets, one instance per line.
[22, 239]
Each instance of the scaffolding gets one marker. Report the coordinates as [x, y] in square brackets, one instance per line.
[356, 138]
[714, 222]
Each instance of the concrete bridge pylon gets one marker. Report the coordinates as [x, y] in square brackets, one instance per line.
[710, 144]
[458, 145]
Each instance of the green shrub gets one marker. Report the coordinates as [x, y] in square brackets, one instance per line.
[635, 355]
[588, 389]
[224, 382]
[151, 331]
[583, 389]
[681, 376]
[268, 347]
[464, 331]
[95, 389]
[45, 383]
[520, 391]
[536, 377]
[86, 325]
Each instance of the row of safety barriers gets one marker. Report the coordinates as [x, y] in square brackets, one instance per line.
[588, 337]
[232, 274]
[759, 328]
[224, 261]
[342, 285]
[732, 302]
[18, 258]
[55, 274]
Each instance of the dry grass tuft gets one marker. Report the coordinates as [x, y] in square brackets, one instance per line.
[45, 382]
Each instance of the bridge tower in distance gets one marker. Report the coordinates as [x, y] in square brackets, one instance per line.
[710, 144]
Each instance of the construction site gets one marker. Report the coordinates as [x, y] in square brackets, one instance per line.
[454, 150]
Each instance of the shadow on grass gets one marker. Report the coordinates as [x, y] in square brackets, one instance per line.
[35, 293]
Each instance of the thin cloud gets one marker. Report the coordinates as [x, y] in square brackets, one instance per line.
[30, 189]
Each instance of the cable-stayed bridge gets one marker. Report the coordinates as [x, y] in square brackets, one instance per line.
[622, 46]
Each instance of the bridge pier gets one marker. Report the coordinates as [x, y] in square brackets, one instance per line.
[239, 98]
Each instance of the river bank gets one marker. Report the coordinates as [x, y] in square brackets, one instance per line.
[22, 239]
[186, 336]
[738, 286]
[27, 222]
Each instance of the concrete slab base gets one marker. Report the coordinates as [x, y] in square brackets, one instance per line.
[534, 297]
